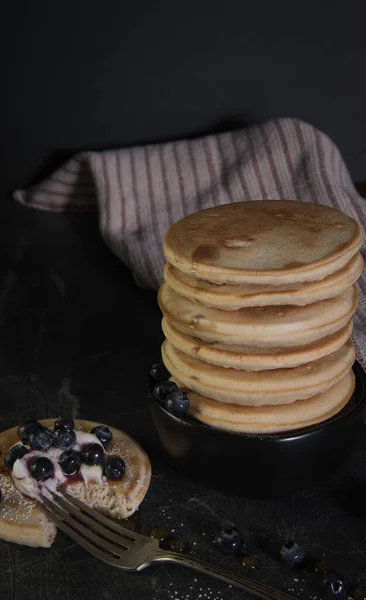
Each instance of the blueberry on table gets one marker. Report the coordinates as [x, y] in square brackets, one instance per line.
[292, 554]
[42, 468]
[29, 426]
[163, 389]
[41, 439]
[14, 453]
[64, 438]
[114, 468]
[159, 372]
[177, 403]
[64, 423]
[335, 586]
[92, 454]
[70, 462]
[229, 540]
[103, 434]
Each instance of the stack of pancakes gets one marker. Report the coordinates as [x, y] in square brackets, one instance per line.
[258, 303]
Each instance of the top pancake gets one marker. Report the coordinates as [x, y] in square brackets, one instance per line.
[266, 241]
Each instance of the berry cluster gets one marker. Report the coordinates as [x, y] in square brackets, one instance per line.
[35, 436]
[166, 392]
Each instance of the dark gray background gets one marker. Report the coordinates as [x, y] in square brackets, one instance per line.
[79, 75]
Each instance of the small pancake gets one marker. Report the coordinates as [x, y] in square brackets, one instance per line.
[22, 522]
[255, 359]
[263, 242]
[266, 326]
[272, 419]
[233, 297]
[257, 388]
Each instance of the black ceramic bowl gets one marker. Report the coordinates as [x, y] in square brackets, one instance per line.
[262, 466]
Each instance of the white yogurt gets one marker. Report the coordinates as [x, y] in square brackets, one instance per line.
[29, 486]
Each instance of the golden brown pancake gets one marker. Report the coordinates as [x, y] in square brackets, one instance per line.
[263, 327]
[271, 419]
[263, 242]
[232, 297]
[257, 388]
[257, 310]
[255, 359]
[22, 522]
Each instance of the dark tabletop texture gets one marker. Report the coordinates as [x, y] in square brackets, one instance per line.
[77, 337]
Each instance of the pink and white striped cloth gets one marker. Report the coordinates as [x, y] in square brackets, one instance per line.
[139, 192]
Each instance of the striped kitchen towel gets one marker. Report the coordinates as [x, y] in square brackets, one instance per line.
[139, 192]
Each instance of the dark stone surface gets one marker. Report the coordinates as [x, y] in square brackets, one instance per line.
[77, 338]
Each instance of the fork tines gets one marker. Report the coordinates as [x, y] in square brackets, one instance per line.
[95, 532]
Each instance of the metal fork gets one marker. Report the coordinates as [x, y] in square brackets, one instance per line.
[118, 546]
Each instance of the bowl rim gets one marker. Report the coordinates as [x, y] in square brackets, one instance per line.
[358, 397]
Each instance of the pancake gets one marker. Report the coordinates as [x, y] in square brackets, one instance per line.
[22, 522]
[233, 297]
[263, 242]
[255, 359]
[257, 388]
[267, 326]
[272, 419]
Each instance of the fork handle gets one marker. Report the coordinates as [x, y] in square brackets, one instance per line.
[260, 590]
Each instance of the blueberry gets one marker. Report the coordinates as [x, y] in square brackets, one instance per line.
[335, 586]
[14, 453]
[292, 554]
[64, 423]
[28, 427]
[64, 438]
[163, 389]
[92, 454]
[159, 372]
[41, 438]
[42, 468]
[1, 496]
[103, 434]
[229, 540]
[177, 403]
[70, 462]
[114, 468]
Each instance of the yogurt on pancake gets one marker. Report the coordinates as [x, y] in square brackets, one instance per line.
[34, 489]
